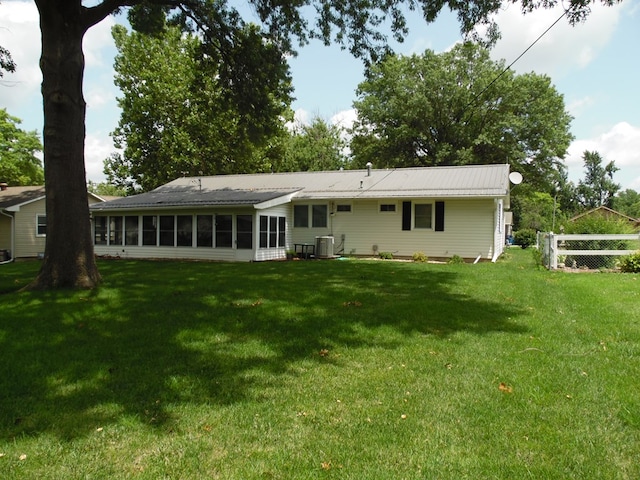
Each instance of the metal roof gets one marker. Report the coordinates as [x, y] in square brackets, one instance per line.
[472, 181]
[15, 196]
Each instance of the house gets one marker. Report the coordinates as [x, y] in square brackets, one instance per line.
[609, 214]
[23, 221]
[440, 211]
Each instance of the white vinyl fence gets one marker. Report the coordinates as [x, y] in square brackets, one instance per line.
[590, 252]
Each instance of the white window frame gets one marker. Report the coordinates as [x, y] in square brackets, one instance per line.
[38, 224]
[388, 212]
[432, 218]
[344, 204]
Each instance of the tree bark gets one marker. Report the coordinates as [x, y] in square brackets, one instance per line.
[69, 260]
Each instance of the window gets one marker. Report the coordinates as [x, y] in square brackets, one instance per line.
[244, 231]
[149, 230]
[343, 208]
[100, 230]
[167, 230]
[224, 231]
[300, 215]
[388, 207]
[184, 230]
[319, 216]
[422, 215]
[282, 231]
[204, 226]
[41, 225]
[131, 230]
[272, 231]
[115, 230]
[264, 231]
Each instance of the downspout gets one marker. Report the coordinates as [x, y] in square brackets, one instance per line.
[13, 250]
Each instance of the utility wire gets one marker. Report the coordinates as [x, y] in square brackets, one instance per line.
[518, 58]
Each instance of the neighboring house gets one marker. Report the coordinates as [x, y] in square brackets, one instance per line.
[23, 221]
[609, 213]
[440, 211]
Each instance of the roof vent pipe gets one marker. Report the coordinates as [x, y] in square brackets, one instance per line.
[369, 165]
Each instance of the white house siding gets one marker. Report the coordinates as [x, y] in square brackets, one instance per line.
[367, 231]
[278, 253]
[27, 244]
[201, 253]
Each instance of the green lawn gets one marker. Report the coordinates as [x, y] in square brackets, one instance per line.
[322, 369]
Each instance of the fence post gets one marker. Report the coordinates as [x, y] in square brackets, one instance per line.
[553, 251]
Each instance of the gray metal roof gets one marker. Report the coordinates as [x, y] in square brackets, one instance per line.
[14, 196]
[191, 196]
[472, 181]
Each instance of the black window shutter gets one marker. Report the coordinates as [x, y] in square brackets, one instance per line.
[406, 215]
[439, 216]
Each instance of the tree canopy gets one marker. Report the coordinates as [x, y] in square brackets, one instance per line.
[354, 24]
[628, 202]
[18, 149]
[6, 62]
[313, 147]
[178, 118]
[460, 107]
[597, 188]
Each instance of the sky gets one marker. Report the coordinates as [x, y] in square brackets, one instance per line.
[594, 65]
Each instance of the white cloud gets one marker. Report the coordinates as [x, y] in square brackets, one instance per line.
[578, 105]
[621, 143]
[345, 118]
[563, 47]
[20, 34]
[96, 149]
[98, 45]
[302, 116]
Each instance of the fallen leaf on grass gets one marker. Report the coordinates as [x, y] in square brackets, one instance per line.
[324, 352]
[503, 387]
[353, 303]
[326, 465]
[23, 457]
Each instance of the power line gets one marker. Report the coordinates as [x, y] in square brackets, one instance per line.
[518, 58]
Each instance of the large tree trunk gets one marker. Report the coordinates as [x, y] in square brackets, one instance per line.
[69, 260]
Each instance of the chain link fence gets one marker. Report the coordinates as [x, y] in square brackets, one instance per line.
[585, 252]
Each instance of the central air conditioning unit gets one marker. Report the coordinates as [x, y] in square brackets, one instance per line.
[324, 247]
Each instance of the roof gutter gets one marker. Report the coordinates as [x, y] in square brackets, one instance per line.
[13, 254]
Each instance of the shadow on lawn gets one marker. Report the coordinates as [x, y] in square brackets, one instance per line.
[160, 333]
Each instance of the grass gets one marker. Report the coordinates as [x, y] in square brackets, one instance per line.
[321, 369]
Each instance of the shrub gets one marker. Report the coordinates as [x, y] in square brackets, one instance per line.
[420, 257]
[525, 237]
[386, 255]
[596, 224]
[631, 263]
[455, 260]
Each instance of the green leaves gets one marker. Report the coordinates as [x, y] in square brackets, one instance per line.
[459, 107]
[193, 107]
[598, 187]
[314, 147]
[18, 149]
